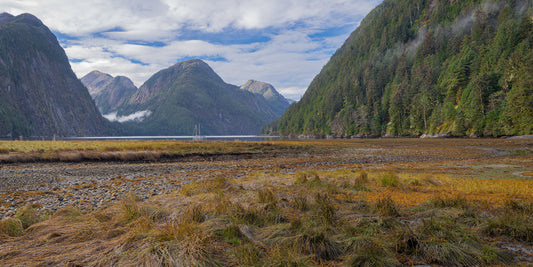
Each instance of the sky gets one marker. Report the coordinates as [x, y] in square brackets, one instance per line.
[281, 42]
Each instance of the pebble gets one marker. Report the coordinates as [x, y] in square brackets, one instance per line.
[92, 185]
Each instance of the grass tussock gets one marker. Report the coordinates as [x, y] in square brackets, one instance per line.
[516, 223]
[344, 217]
[28, 216]
[11, 227]
[317, 243]
[387, 207]
[368, 251]
[324, 209]
[389, 179]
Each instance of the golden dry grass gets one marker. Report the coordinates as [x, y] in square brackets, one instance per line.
[444, 202]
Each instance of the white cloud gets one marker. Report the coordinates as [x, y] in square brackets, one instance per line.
[114, 36]
[137, 116]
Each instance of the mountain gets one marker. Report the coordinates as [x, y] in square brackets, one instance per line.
[426, 67]
[39, 93]
[108, 93]
[177, 99]
[276, 101]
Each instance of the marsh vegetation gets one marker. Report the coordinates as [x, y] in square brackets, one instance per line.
[381, 202]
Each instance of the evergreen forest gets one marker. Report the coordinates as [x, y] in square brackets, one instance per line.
[417, 67]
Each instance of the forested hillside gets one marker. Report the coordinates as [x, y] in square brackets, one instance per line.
[40, 96]
[426, 66]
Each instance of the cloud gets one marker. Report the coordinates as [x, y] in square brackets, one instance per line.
[282, 42]
[137, 116]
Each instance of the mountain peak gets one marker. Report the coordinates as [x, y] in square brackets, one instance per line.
[190, 62]
[5, 17]
[28, 19]
[98, 73]
[257, 87]
[95, 81]
[108, 92]
[276, 101]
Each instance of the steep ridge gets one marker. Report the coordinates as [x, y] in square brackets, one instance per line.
[39, 93]
[426, 67]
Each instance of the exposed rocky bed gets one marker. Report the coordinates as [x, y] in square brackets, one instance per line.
[90, 185]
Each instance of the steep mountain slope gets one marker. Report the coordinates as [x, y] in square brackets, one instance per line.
[190, 93]
[426, 66]
[108, 93]
[276, 101]
[39, 93]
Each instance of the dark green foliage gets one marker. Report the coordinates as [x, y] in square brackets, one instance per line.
[435, 67]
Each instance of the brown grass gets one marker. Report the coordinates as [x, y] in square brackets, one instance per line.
[448, 210]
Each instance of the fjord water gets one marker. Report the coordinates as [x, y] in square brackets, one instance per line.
[181, 137]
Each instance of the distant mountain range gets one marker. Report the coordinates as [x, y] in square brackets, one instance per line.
[39, 93]
[188, 95]
[417, 67]
[411, 68]
[108, 92]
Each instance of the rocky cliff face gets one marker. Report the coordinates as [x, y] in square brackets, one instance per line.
[108, 93]
[190, 93]
[39, 93]
[276, 101]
